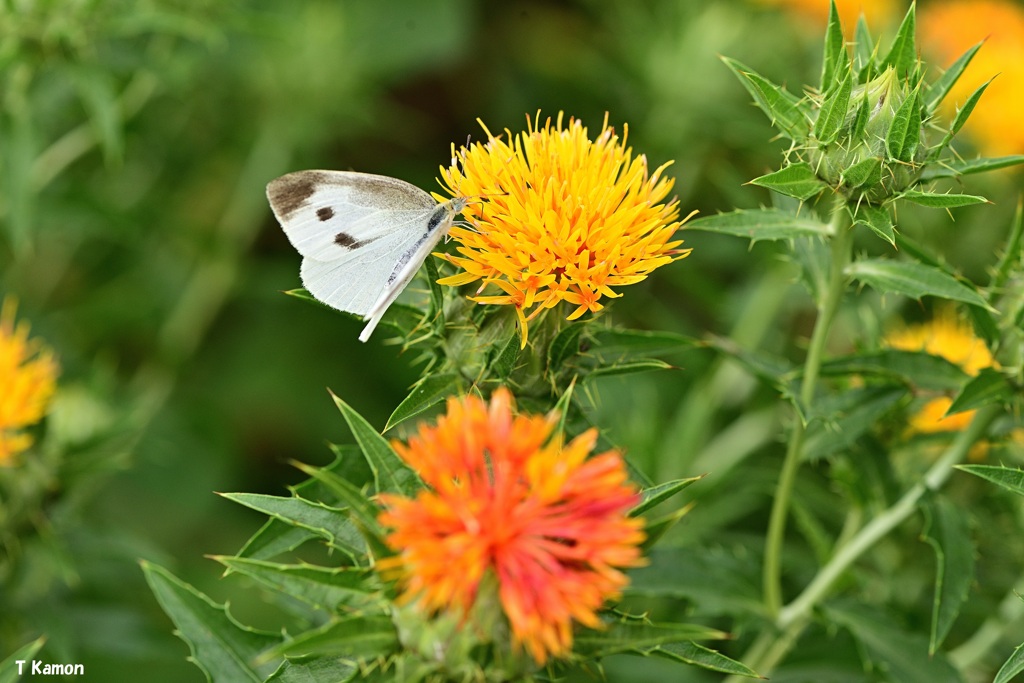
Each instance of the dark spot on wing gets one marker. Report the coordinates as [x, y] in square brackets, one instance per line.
[289, 193]
[325, 214]
[343, 239]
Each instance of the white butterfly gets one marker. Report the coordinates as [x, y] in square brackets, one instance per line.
[362, 237]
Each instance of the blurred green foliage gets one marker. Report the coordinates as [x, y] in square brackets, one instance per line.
[136, 137]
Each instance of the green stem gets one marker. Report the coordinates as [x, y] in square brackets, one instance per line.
[841, 240]
[768, 651]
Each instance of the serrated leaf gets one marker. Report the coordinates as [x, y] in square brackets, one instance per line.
[935, 200]
[781, 107]
[964, 112]
[692, 653]
[761, 224]
[361, 510]
[390, 474]
[957, 167]
[990, 386]
[904, 134]
[505, 359]
[625, 636]
[833, 110]
[845, 417]
[722, 579]
[357, 637]
[654, 495]
[946, 531]
[796, 180]
[878, 219]
[431, 389]
[1009, 478]
[322, 588]
[330, 523]
[564, 346]
[902, 654]
[903, 53]
[912, 279]
[221, 647]
[865, 172]
[1013, 666]
[940, 88]
[315, 669]
[835, 50]
[9, 667]
[916, 368]
[629, 367]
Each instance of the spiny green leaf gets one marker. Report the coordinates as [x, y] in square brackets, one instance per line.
[430, 389]
[957, 167]
[629, 367]
[505, 358]
[941, 201]
[847, 417]
[325, 521]
[903, 53]
[320, 587]
[781, 107]
[9, 672]
[564, 346]
[697, 655]
[904, 134]
[865, 172]
[990, 386]
[761, 224]
[833, 110]
[651, 497]
[361, 509]
[625, 636]
[796, 180]
[1010, 478]
[965, 112]
[315, 669]
[916, 368]
[655, 529]
[355, 637]
[912, 279]
[221, 647]
[835, 50]
[947, 532]
[390, 474]
[940, 88]
[878, 219]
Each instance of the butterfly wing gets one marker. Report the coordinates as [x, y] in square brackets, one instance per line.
[351, 229]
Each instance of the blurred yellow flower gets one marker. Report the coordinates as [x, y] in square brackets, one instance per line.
[949, 337]
[563, 218]
[28, 375]
[947, 30]
[507, 499]
[876, 12]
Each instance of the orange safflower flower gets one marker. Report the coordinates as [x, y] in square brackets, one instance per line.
[28, 375]
[564, 218]
[507, 499]
[948, 29]
[949, 337]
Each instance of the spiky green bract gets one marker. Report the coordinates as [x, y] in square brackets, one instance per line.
[868, 133]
